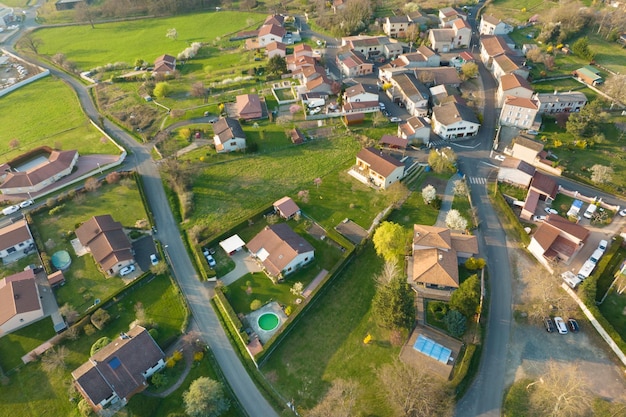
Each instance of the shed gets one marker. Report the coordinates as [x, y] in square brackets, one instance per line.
[232, 244]
[354, 118]
[56, 278]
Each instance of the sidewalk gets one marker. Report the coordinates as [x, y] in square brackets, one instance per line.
[446, 201]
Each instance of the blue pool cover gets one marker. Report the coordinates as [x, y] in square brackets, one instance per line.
[433, 349]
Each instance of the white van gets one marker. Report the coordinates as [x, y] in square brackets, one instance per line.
[590, 210]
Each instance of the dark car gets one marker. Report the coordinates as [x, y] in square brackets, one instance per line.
[550, 328]
[573, 325]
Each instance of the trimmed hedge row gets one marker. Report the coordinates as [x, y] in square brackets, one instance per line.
[463, 368]
[228, 311]
[498, 200]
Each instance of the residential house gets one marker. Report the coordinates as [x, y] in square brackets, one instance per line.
[302, 49]
[16, 241]
[542, 188]
[228, 135]
[453, 120]
[565, 102]
[280, 250]
[65, 4]
[361, 93]
[20, 304]
[513, 85]
[396, 26]
[492, 46]
[373, 46]
[454, 36]
[107, 242]
[436, 253]
[270, 33]
[508, 64]
[164, 65]
[57, 165]
[525, 148]
[275, 19]
[520, 112]
[557, 239]
[517, 172]
[589, 75]
[415, 130]
[373, 167]
[296, 64]
[448, 15]
[276, 49]
[422, 57]
[464, 57]
[434, 76]
[414, 95]
[296, 136]
[321, 84]
[119, 370]
[490, 25]
[351, 119]
[442, 93]
[286, 208]
[249, 106]
[352, 63]
[360, 107]
[393, 142]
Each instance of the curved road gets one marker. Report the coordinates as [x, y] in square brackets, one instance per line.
[198, 294]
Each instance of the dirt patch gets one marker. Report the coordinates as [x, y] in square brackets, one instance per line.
[317, 231]
[352, 231]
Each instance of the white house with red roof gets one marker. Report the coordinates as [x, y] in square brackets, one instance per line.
[490, 25]
[15, 241]
[415, 129]
[374, 168]
[520, 112]
[270, 33]
[513, 85]
[20, 304]
[557, 239]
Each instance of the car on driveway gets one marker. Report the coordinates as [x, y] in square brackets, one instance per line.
[550, 210]
[211, 261]
[127, 270]
[573, 325]
[549, 324]
[153, 259]
[560, 325]
[26, 203]
[602, 245]
[500, 158]
[395, 119]
[623, 213]
[10, 210]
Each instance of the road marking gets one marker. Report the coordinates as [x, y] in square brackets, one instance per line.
[477, 180]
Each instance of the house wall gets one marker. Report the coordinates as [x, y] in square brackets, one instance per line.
[38, 187]
[462, 38]
[521, 117]
[537, 251]
[560, 106]
[524, 153]
[269, 38]
[416, 108]
[300, 260]
[439, 46]
[395, 29]
[232, 145]
[151, 371]
[363, 97]
[6, 252]
[21, 320]
[515, 92]
[275, 52]
[394, 177]
[455, 130]
[514, 176]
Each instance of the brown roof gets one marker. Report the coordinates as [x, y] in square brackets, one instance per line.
[494, 45]
[491, 19]
[273, 30]
[14, 234]
[544, 184]
[296, 136]
[460, 24]
[518, 164]
[286, 206]
[453, 112]
[431, 236]
[511, 81]
[57, 162]
[508, 63]
[464, 243]
[56, 278]
[521, 102]
[277, 245]
[276, 45]
[442, 75]
[378, 162]
[118, 367]
[394, 141]
[532, 199]
[228, 128]
[566, 226]
[354, 117]
[359, 105]
[164, 63]
[528, 143]
[106, 240]
[18, 294]
[249, 105]
[301, 47]
[275, 19]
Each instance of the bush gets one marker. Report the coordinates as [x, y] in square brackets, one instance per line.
[100, 318]
[456, 323]
[99, 344]
[439, 309]
[135, 234]
[255, 305]
[159, 379]
[89, 329]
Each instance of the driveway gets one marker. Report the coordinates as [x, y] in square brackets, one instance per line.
[143, 248]
[244, 264]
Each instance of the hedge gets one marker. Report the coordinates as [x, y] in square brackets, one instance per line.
[498, 200]
[462, 368]
[225, 306]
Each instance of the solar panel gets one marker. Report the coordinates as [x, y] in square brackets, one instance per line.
[114, 363]
[432, 349]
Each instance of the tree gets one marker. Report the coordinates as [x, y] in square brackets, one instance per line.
[199, 90]
[561, 391]
[100, 318]
[414, 393]
[297, 288]
[442, 160]
[255, 305]
[390, 241]
[454, 220]
[30, 43]
[467, 297]
[317, 181]
[394, 305]
[429, 193]
[185, 133]
[69, 313]
[473, 264]
[172, 34]
[84, 13]
[338, 401]
[54, 359]
[99, 344]
[390, 272]
[535, 55]
[277, 65]
[378, 119]
[456, 323]
[460, 188]
[469, 70]
[113, 177]
[92, 184]
[601, 174]
[615, 87]
[159, 269]
[162, 89]
[205, 398]
[581, 48]
[585, 123]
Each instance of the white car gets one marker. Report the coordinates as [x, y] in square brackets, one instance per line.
[500, 157]
[550, 210]
[26, 203]
[211, 261]
[395, 119]
[539, 218]
[10, 210]
[623, 213]
[153, 259]
[127, 270]
[602, 245]
[560, 325]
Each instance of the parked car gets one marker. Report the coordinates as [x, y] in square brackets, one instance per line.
[127, 270]
[549, 324]
[550, 210]
[539, 218]
[381, 105]
[211, 261]
[153, 259]
[26, 203]
[10, 210]
[395, 119]
[560, 325]
[573, 325]
[623, 213]
[602, 245]
[205, 252]
[500, 158]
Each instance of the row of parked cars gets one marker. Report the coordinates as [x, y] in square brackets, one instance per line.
[12, 209]
[559, 325]
[208, 254]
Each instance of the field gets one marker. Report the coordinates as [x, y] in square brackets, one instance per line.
[141, 39]
[62, 125]
[522, 10]
[17, 344]
[84, 282]
[566, 84]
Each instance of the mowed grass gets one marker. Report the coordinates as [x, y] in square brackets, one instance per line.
[564, 85]
[47, 112]
[17, 344]
[144, 39]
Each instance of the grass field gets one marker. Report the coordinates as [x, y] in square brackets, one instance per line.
[17, 344]
[84, 282]
[140, 39]
[61, 125]
[566, 84]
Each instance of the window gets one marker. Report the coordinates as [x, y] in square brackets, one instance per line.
[21, 244]
[233, 143]
[11, 250]
[306, 259]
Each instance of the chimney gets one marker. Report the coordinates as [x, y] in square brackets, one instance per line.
[440, 257]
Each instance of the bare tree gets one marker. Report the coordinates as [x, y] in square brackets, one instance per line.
[389, 272]
[30, 43]
[561, 392]
[199, 90]
[84, 13]
[378, 119]
[601, 174]
[69, 313]
[54, 359]
[615, 87]
[92, 184]
[338, 401]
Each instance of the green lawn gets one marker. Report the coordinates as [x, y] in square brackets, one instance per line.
[17, 344]
[84, 282]
[566, 84]
[462, 204]
[143, 39]
[62, 125]
[414, 211]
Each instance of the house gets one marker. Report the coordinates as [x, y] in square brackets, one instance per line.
[434, 76]
[165, 65]
[35, 177]
[520, 112]
[393, 142]
[296, 64]
[542, 188]
[56, 279]
[448, 15]
[107, 242]
[415, 130]
[441, 39]
[436, 253]
[302, 49]
[508, 64]
[276, 49]
[588, 75]
[422, 57]
[513, 85]
[462, 58]
[361, 92]
[66, 4]
[526, 149]
[286, 208]
[462, 33]
[490, 25]
[351, 119]
[492, 46]
[565, 102]
[280, 250]
[296, 136]
[249, 106]
[352, 63]
[373, 46]
[270, 33]
[453, 120]
[321, 84]
[16, 241]
[360, 107]
[228, 135]
[396, 26]
[414, 95]
[275, 19]
[557, 239]
[20, 304]
[376, 168]
[119, 370]
[515, 171]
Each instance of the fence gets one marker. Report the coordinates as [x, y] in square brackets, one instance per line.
[579, 196]
[44, 73]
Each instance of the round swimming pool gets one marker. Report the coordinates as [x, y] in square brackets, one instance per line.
[268, 321]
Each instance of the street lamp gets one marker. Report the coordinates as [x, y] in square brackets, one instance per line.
[99, 167]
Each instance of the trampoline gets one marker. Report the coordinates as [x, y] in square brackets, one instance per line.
[433, 349]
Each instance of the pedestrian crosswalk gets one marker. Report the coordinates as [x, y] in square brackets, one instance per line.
[438, 143]
[477, 180]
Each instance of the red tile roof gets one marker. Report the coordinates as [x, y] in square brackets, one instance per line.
[58, 161]
[277, 246]
[378, 162]
[14, 234]
[106, 241]
[18, 294]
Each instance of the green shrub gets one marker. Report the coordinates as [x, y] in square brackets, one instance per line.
[255, 305]
[439, 309]
[99, 344]
[517, 399]
[159, 379]
[55, 210]
[456, 323]
[135, 234]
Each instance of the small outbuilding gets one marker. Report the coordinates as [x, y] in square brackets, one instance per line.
[286, 208]
[232, 244]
